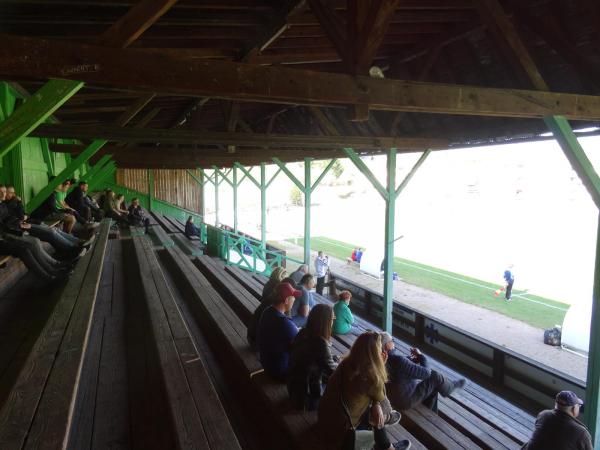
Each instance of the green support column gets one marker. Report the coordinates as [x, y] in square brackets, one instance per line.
[203, 194]
[307, 200]
[102, 162]
[150, 188]
[235, 200]
[263, 205]
[101, 175]
[216, 197]
[567, 140]
[390, 222]
[34, 111]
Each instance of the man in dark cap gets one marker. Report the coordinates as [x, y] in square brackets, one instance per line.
[559, 428]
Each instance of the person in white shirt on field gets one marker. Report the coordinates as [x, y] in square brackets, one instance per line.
[321, 268]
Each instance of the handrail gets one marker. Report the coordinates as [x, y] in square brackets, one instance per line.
[248, 253]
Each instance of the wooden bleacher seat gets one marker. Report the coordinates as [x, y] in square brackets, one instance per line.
[166, 225]
[228, 330]
[39, 405]
[186, 381]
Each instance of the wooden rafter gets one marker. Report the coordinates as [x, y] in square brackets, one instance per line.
[112, 133]
[237, 81]
[137, 20]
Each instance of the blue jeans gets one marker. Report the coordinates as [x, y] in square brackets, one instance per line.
[61, 241]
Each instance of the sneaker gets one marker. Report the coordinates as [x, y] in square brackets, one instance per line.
[508, 300]
[82, 253]
[393, 418]
[404, 444]
[460, 384]
[88, 242]
[92, 225]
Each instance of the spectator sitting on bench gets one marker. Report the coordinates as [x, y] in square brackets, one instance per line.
[311, 363]
[411, 382]
[61, 197]
[65, 244]
[343, 316]
[15, 242]
[112, 211]
[265, 302]
[355, 399]
[102, 198]
[299, 273]
[95, 209]
[191, 230]
[559, 428]
[137, 216]
[276, 332]
[276, 277]
[121, 205]
[76, 200]
[352, 257]
[303, 305]
[52, 209]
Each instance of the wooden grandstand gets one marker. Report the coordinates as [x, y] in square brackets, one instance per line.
[145, 346]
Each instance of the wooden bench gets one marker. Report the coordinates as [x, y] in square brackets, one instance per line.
[191, 247]
[164, 223]
[186, 381]
[160, 236]
[219, 316]
[39, 408]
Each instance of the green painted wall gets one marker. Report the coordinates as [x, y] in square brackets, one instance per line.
[27, 166]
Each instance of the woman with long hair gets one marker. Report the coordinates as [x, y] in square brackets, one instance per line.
[354, 395]
[277, 275]
[311, 363]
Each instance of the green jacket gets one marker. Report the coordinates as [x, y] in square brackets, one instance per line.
[343, 318]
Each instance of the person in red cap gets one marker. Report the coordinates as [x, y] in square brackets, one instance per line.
[276, 332]
[559, 428]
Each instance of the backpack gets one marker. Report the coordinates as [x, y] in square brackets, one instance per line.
[552, 336]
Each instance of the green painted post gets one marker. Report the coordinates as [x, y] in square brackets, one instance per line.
[263, 205]
[390, 221]
[34, 111]
[203, 195]
[567, 140]
[592, 392]
[101, 175]
[97, 167]
[150, 188]
[67, 172]
[216, 197]
[235, 200]
[307, 201]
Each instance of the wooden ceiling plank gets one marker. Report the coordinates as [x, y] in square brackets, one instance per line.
[125, 68]
[332, 25]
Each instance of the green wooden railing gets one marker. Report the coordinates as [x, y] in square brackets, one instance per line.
[247, 253]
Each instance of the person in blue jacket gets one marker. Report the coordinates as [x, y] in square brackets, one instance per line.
[509, 278]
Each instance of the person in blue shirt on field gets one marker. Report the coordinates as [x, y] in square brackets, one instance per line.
[276, 332]
[359, 254]
[509, 278]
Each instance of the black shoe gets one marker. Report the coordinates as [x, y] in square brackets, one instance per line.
[393, 418]
[404, 444]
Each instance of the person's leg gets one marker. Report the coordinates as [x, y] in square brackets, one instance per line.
[426, 392]
[320, 285]
[41, 255]
[508, 294]
[55, 238]
[382, 441]
[19, 250]
[68, 221]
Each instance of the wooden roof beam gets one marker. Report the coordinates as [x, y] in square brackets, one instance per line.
[112, 133]
[128, 68]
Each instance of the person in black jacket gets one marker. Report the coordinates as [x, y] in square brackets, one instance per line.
[411, 381]
[15, 241]
[191, 230]
[66, 244]
[137, 216]
[76, 200]
[311, 362]
[559, 428]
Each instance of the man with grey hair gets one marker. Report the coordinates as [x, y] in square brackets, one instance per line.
[559, 428]
[299, 273]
